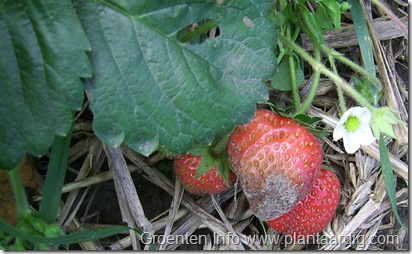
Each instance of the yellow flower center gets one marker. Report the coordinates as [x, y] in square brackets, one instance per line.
[352, 123]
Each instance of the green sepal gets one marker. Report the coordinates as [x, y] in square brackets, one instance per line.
[206, 164]
[307, 121]
[198, 150]
[382, 120]
[224, 169]
[214, 156]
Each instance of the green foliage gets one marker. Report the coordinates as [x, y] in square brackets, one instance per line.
[54, 181]
[311, 123]
[329, 12]
[33, 233]
[281, 80]
[150, 89]
[31, 224]
[372, 92]
[367, 89]
[151, 86]
[147, 87]
[388, 177]
[43, 56]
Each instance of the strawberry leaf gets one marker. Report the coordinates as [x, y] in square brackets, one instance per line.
[281, 80]
[149, 89]
[42, 50]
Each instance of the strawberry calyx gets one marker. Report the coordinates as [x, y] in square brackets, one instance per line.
[214, 155]
[308, 121]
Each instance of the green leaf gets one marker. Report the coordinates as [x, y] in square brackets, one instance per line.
[365, 45]
[78, 237]
[365, 88]
[303, 118]
[322, 17]
[281, 79]
[42, 50]
[388, 177]
[53, 184]
[306, 20]
[309, 122]
[334, 11]
[150, 89]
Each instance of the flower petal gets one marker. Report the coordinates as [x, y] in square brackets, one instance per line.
[339, 132]
[345, 117]
[365, 136]
[365, 116]
[351, 142]
[355, 111]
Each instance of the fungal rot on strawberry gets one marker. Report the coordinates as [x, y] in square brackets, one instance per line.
[310, 216]
[277, 162]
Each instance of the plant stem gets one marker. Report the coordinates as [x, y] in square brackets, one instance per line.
[219, 145]
[295, 93]
[318, 66]
[351, 64]
[342, 103]
[22, 205]
[308, 101]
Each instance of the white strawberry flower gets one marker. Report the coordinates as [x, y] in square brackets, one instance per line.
[354, 128]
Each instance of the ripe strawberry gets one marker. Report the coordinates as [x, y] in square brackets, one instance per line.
[210, 182]
[312, 214]
[277, 162]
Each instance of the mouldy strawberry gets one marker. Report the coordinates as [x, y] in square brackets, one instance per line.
[312, 214]
[276, 160]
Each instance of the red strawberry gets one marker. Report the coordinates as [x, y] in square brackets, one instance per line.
[210, 182]
[312, 214]
[277, 162]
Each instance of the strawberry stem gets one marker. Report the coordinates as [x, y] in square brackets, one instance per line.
[219, 145]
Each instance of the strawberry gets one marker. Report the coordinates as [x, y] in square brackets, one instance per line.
[210, 182]
[276, 160]
[312, 214]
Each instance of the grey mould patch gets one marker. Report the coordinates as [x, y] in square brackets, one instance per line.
[276, 197]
